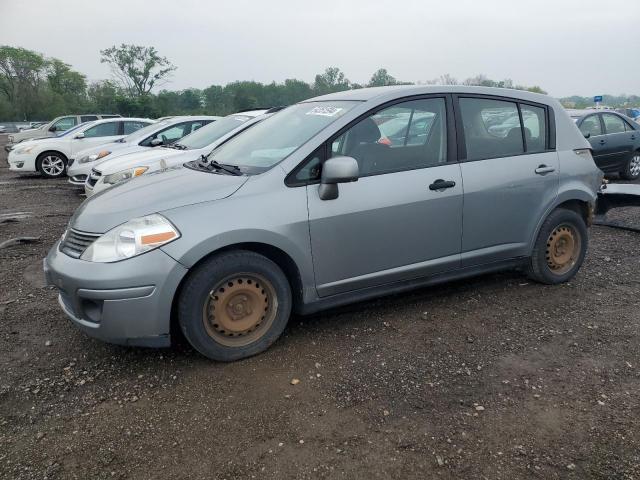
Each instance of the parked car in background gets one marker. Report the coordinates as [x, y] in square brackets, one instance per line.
[110, 172]
[632, 113]
[3, 129]
[308, 210]
[54, 127]
[614, 138]
[49, 156]
[161, 132]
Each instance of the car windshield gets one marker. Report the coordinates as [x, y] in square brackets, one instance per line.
[272, 140]
[145, 131]
[71, 130]
[210, 133]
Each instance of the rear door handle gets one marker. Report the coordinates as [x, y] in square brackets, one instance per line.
[542, 169]
[440, 184]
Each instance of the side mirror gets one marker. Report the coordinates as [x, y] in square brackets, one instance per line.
[53, 128]
[79, 136]
[156, 142]
[587, 135]
[334, 171]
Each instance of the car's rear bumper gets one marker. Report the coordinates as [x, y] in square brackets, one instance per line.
[127, 302]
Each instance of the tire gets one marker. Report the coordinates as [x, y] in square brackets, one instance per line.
[51, 164]
[560, 248]
[632, 168]
[220, 307]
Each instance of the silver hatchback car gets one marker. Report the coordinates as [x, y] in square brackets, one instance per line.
[333, 200]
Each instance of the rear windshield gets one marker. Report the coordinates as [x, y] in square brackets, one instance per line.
[272, 140]
[214, 131]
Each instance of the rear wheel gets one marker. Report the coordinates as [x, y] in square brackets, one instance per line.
[234, 305]
[560, 247]
[632, 168]
[51, 164]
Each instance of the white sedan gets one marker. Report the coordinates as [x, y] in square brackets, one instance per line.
[49, 156]
[164, 132]
[110, 172]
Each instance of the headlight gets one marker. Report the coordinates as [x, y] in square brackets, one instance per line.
[130, 239]
[124, 175]
[25, 149]
[94, 157]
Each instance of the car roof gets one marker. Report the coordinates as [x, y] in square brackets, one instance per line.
[120, 119]
[398, 91]
[579, 113]
[182, 118]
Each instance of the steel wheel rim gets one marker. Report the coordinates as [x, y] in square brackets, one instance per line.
[240, 309]
[52, 165]
[634, 165]
[563, 249]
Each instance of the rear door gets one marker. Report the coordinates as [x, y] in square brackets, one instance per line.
[389, 225]
[619, 145]
[510, 171]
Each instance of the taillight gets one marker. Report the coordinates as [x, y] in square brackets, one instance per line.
[584, 153]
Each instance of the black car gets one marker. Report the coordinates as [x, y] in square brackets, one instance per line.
[614, 138]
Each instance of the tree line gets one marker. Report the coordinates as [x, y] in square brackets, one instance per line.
[35, 87]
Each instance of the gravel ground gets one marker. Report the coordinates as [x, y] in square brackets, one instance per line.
[495, 377]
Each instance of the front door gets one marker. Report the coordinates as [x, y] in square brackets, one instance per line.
[510, 177]
[397, 222]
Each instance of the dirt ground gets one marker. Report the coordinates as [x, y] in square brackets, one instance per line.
[495, 377]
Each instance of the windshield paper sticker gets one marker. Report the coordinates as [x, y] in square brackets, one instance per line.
[325, 111]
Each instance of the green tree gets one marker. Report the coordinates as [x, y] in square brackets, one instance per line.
[332, 80]
[21, 74]
[137, 68]
[381, 78]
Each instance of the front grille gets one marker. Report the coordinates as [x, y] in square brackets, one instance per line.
[75, 243]
[94, 177]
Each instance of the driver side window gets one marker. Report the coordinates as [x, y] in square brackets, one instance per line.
[65, 124]
[405, 136]
[591, 125]
[168, 135]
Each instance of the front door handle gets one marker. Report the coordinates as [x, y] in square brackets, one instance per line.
[542, 169]
[440, 184]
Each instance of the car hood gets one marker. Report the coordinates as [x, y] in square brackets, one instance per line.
[135, 158]
[31, 134]
[152, 193]
[111, 146]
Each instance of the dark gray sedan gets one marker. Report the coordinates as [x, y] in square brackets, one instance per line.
[615, 140]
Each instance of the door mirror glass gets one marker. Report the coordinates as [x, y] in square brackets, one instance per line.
[334, 171]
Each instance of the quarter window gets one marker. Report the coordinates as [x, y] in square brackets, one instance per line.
[405, 136]
[591, 126]
[102, 130]
[88, 118]
[491, 128]
[612, 123]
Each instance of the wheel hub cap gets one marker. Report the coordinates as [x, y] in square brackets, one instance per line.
[239, 309]
[563, 248]
[635, 165]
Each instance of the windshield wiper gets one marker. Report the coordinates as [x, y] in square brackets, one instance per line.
[232, 169]
[177, 146]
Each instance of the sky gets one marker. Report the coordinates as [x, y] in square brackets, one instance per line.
[583, 47]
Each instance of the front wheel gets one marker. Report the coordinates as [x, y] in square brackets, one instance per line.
[560, 248]
[632, 168]
[234, 305]
[51, 164]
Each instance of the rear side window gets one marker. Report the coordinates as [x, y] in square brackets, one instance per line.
[103, 130]
[591, 126]
[132, 126]
[491, 128]
[612, 123]
[535, 128]
[88, 118]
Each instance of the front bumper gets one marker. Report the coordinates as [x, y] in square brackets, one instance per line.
[126, 303]
[21, 162]
[78, 180]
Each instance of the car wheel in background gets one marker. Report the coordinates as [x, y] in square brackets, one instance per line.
[632, 169]
[234, 305]
[51, 164]
[560, 247]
